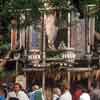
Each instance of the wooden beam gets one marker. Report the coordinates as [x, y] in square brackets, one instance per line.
[33, 69]
[80, 69]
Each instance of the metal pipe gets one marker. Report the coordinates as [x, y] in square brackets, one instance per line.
[17, 67]
[69, 28]
[43, 51]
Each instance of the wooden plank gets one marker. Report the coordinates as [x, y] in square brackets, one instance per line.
[81, 69]
[73, 69]
[33, 69]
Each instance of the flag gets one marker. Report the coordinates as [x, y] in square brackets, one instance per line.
[34, 39]
[13, 39]
[91, 30]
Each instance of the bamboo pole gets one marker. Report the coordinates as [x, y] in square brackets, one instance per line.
[43, 51]
[69, 75]
[69, 29]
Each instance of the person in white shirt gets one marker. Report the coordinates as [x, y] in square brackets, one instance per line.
[85, 95]
[17, 93]
[57, 93]
[34, 88]
[66, 95]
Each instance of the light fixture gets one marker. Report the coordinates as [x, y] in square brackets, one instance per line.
[69, 55]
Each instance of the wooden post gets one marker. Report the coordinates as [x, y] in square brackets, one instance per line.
[43, 82]
[68, 76]
[43, 51]
[69, 29]
[69, 40]
[17, 67]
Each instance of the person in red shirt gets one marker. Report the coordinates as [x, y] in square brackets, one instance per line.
[77, 93]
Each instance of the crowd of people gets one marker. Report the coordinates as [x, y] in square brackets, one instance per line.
[16, 92]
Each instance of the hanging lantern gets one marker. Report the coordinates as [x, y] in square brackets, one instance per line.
[69, 55]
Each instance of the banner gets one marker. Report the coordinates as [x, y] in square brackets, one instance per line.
[91, 29]
[78, 37]
[13, 39]
[34, 39]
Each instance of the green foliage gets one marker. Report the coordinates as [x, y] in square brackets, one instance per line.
[8, 8]
[90, 1]
[59, 3]
[98, 22]
[2, 74]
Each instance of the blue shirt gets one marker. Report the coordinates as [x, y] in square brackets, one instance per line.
[2, 98]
